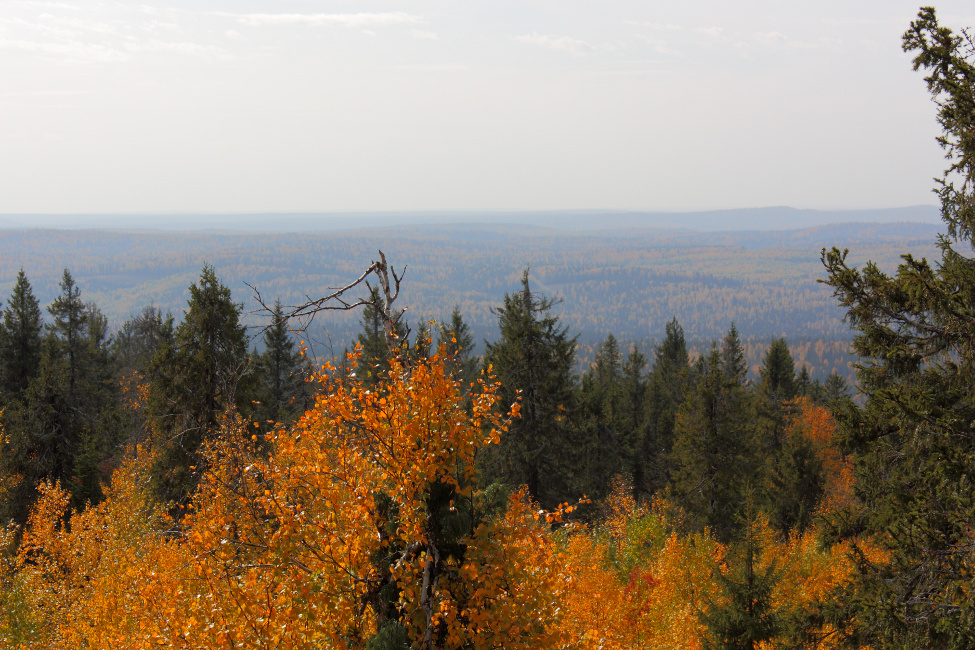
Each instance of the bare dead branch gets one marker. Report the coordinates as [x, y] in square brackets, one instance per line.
[339, 299]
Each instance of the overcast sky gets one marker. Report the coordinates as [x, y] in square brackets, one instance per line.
[319, 105]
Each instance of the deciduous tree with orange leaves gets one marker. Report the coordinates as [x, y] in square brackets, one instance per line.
[358, 527]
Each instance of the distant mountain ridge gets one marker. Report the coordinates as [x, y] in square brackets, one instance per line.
[577, 221]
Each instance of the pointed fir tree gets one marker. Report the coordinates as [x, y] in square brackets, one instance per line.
[455, 336]
[778, 373]
[777, 386]
[533, 359]
[633, 417]
[714, 451]
[600, 421]
[746, 620]
[199, 375]
[835, 389]
[733, 356]
[66, 425]
[138, 340]
[795, 483]
[375, 349]
[665, 392]
[804, 383]
[20, 339]
[281, 373]
[69, 323]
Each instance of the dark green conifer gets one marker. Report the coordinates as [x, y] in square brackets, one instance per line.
[714, 451]
[665, 393]
[533, 360]
[375, 349]
[281, 373]
[138, 340]
[600, 421]
[778, 373]
[733, 356]
[633, 417]
[66, 425]
[835, 389]
[914, 457]
[20, 339]
[198, 375]
[69, 323]
[746, 620]
[456, 337]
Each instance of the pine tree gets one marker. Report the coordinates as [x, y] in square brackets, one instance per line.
[912, 438]
[20, 339]
[533, 360]
[197, 376]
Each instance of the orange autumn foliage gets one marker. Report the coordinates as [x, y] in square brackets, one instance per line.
[817, 424]
[319, 534]
[290, 545]
[637, 583]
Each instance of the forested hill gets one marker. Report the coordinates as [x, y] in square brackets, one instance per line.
[626, 281]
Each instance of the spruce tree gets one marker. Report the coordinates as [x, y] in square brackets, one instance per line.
[665, 393]
[198, 375]
[835, 389]
[20, 339]
[281, 372]
[795, 483]
[375, 350]
[66, 424]
[804, 384]
[733, 356]
[600, 421]
[633, 417]
[455, 336]
[138, 340]
[70, 320]
[776, 387]
[778, 373]
[533, 359]
[912, 438]
[746, 620]
[714, 451]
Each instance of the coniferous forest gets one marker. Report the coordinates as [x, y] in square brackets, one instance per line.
[180, 482]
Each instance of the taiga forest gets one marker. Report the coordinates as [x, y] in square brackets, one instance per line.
[498, 437]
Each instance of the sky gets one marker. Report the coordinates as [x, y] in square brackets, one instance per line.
[337, 105]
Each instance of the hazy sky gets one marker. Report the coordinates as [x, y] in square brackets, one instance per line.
[308, 105]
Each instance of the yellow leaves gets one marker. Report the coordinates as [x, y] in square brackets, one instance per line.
[280, 546]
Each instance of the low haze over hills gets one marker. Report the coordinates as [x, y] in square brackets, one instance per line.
[772, 218]
[621, 273]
